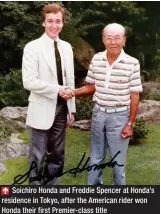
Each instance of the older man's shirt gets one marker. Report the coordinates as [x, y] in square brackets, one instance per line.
[115, 82]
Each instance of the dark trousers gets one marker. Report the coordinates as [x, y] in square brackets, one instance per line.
[47, 147]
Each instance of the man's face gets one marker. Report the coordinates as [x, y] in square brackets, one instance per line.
[53, 24]
[114, 40]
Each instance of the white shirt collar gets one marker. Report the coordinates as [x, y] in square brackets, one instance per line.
[50, 41]
[120, 57]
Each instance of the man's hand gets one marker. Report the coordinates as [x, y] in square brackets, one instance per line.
[65, 92]
[127, 131]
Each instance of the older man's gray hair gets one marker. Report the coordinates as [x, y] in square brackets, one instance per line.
[114, 26]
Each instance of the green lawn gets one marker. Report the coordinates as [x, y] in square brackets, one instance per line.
[143, 161]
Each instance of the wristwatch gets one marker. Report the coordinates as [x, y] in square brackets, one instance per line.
[130, 124]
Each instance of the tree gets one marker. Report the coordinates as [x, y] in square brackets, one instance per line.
[140, 19]
[21, 22]
[150, 40]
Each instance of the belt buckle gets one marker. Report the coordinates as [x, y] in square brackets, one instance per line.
[110, 110]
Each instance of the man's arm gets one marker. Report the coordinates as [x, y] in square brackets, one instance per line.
[135, 88]
[88, 89]
[133, 106]
[128, 129]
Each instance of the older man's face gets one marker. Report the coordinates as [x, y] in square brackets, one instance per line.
[114, 40]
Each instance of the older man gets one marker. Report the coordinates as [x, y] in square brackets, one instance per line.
[114, 76]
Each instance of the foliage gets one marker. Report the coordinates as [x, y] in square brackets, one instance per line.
[141, 19]
[84, 106]
[152, 75]
[149, 40]
[151, 91]
[20, 23]
[140, 130]
[152, 94]
[18, 26]
[12, 92]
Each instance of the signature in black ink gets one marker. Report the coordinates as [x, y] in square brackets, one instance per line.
[19, 179]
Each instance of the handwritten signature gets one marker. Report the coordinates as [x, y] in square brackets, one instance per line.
[20, 179]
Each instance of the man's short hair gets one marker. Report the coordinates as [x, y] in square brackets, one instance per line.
[52, 8]
[119, 26]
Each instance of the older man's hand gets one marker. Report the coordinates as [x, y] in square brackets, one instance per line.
[127, 131]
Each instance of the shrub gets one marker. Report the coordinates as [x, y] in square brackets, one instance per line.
[150, 94]
[84, 106]
[12, 92]
[140, 130]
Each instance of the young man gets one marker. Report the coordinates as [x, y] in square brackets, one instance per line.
[48, 73]
[114, 76]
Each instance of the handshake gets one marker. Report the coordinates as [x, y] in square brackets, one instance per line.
[66, 93]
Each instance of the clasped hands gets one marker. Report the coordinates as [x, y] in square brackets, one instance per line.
[66, 93]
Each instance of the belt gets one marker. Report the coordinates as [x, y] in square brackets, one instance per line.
[112, 110]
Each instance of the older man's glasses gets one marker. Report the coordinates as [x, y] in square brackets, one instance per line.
[111, 39]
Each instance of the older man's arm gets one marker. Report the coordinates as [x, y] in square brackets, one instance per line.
[88, 89]
[134, 106]
[128, 129]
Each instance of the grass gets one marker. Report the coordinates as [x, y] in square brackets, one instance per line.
[143, 162]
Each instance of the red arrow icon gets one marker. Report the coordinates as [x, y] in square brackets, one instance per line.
[5, 191]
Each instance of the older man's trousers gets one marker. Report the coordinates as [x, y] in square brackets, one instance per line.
[106, 131]
[46, 152]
